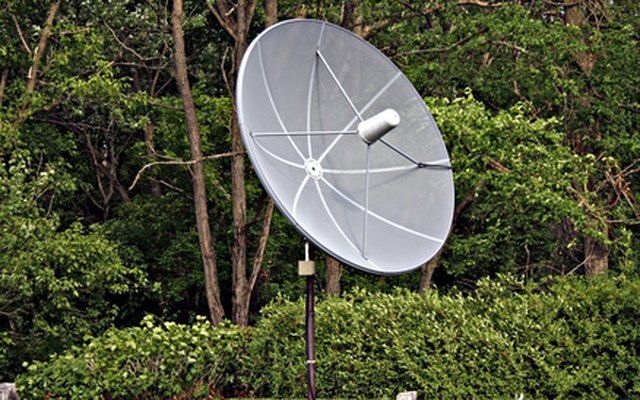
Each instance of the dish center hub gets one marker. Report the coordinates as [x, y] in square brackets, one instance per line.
[313, 168]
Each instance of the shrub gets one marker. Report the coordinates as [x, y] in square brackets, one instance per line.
[58, 282]
[575, 337]
[579, 338]
[155, 360]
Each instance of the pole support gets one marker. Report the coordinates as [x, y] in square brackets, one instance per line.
[307, 269]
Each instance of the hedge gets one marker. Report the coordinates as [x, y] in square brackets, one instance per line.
[153, 361]
[574, 338]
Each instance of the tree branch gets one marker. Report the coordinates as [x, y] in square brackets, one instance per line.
[167, 184]
[465, 203]
[480, 3]
[249, 11]
[180, 162]
[368, 31]
[497, 166]
[129, 49]
[223, 17]
[20, 35]
[154, 82]
[445, 49]
[426, 273]
[568, 4]
[511, 46]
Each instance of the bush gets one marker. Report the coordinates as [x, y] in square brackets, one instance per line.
[575, 338]
[58, 282]
[155, 360]
[579, 338]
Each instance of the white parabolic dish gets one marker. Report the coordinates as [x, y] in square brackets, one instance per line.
[303, 88]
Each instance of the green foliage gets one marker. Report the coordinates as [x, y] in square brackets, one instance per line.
[57, 284]
[528, 52]
[578, 339]
[155, 360]
[520, 180]
[573, 338]
[154, 233]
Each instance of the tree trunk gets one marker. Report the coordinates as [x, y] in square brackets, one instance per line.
[3, 84]
[207, 250]
[596, 256]
[270, 12]
[149, 129]
[8, 391]
[240, 301]
[596, 252]
[243, 287]
[351, 18]
[112, 171]
[575, 15]
[427, 272]
[334, 272]
[236, 22]
[258, 257]
[240, 297]
[39, 51]
[106, 165]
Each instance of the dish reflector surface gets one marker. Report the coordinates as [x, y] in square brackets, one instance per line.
[303, 88]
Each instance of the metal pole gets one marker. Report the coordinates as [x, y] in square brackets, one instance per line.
[309, 274]
[310, 331]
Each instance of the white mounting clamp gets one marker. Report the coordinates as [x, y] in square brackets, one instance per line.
[306, 267]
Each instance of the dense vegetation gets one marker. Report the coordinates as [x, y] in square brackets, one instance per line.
[574, 338]
[114, 205]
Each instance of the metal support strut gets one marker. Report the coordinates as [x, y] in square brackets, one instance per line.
[307, 268]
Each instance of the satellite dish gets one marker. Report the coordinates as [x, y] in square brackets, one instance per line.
[345, 146]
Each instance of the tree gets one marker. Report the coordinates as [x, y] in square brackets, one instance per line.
[516, 187]
[57, 284]
[207, 249]
[560, 58]
[243, 285]
[596, 252]
[426, 272]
